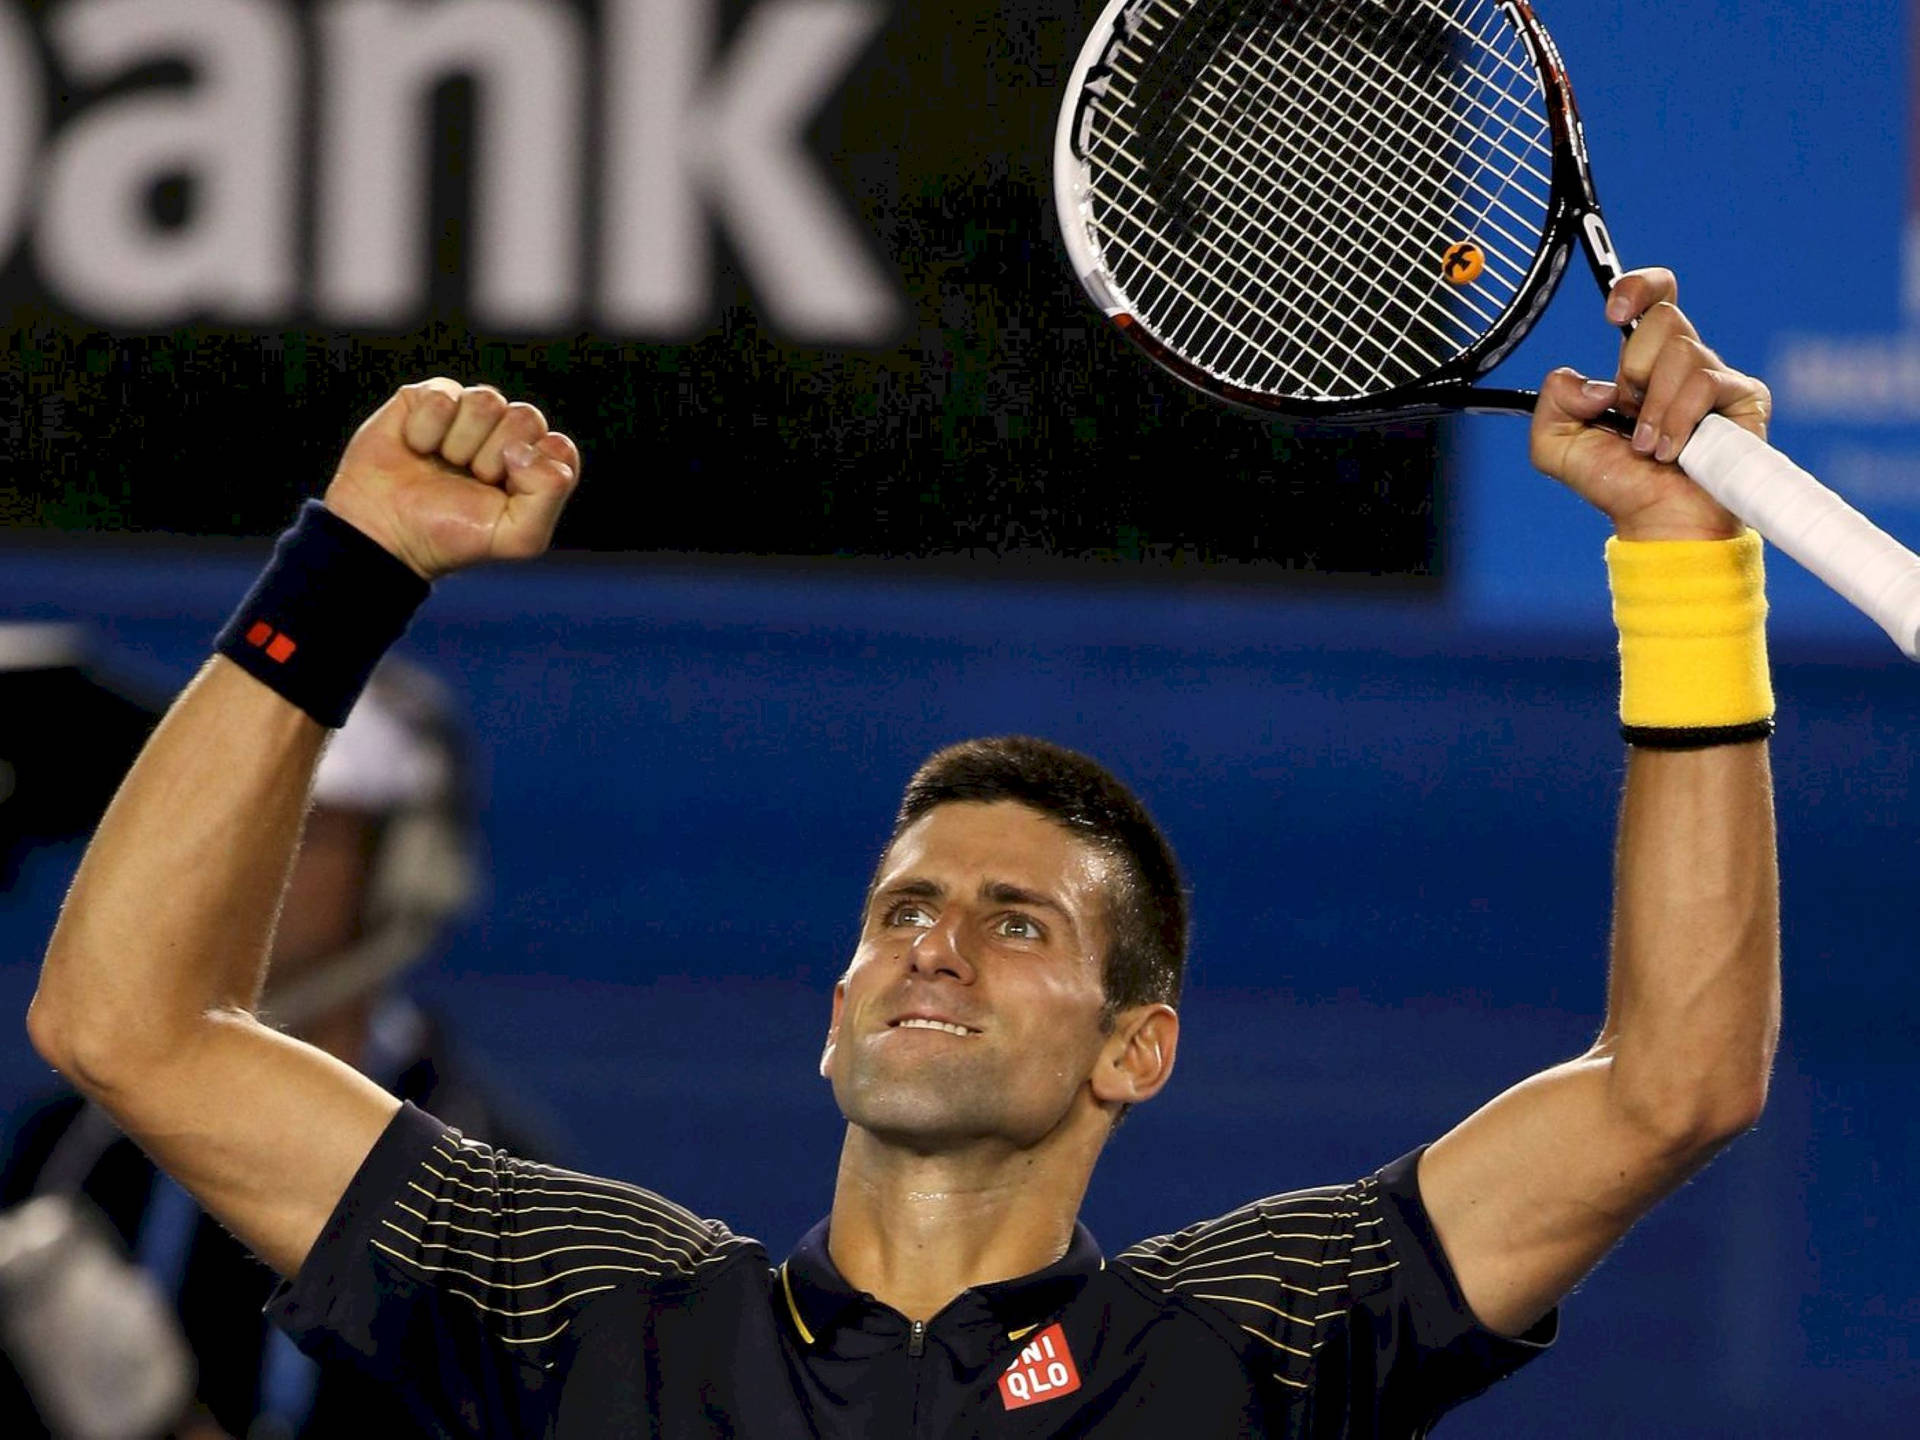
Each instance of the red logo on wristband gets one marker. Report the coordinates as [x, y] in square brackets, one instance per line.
[279, 647]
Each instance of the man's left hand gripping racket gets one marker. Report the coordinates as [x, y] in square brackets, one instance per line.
[1351, 210]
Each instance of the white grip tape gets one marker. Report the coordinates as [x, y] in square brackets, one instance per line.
[1799, 515]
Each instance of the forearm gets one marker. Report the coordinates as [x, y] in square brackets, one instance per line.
[1529, 1192]
[170, 916]
[1693, 1004]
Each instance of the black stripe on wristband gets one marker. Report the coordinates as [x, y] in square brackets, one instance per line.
[329, 604]
[1651, 737]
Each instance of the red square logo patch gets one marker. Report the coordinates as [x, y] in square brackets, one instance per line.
[1042, 1371]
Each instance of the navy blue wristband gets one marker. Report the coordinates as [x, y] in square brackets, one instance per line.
[328, 606]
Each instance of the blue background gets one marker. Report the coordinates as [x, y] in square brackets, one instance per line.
[1398, 830]
[1760, 150]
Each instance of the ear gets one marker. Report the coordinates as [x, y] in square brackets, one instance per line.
[1137, 1060]
[833, 1031]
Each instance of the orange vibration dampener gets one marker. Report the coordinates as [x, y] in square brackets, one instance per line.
[1463, 263]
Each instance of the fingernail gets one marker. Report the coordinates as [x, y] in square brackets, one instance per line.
[1643, 438]
[1666, 450]
[519, 456]
[1598, 389]
[1617, 309]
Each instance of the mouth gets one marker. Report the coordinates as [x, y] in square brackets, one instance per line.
[924, 1022]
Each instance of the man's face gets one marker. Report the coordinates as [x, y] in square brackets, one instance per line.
[972, 1009]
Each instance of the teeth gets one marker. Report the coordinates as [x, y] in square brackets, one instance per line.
[934, 1025]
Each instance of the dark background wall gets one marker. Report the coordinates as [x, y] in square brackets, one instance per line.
[972, 408]
[1398, 833]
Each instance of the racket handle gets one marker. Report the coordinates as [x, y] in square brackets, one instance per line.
[1801, 516]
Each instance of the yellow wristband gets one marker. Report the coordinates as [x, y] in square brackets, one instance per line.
[1693, 645]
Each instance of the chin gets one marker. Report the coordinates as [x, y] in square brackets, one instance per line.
[897, 1114]
[927, 1117]
[921, 1113]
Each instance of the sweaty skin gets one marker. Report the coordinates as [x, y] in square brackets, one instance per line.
[967, 1156]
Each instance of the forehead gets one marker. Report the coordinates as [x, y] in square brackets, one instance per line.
[965, 841]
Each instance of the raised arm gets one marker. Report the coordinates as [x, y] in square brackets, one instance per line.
[1530, 1192]
[147, 992]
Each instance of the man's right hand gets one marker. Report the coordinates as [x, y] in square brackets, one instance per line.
[445, 477]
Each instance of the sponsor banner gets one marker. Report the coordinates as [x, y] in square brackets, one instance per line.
[1769, 154]
[788, 268]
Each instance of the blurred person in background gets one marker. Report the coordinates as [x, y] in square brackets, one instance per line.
[387, 861]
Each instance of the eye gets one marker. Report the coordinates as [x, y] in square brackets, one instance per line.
[907, 912]
[1021, 927]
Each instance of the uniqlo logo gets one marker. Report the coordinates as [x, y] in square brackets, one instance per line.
[1044, 1370]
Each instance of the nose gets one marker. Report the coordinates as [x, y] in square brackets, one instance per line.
[940, 950]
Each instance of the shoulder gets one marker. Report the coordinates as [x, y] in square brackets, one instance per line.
[518, 1246]
[468, 1185]
[461, 1272]
[1341, 1290]
[1298, 1233]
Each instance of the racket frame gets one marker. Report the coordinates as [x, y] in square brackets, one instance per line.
[1573, 215]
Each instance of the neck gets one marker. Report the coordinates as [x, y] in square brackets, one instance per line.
[914, 1230]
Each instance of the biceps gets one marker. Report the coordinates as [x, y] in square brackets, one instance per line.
[263, 1130]
[1528, 1193]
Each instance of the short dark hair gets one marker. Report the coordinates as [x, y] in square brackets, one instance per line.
[1146, 908]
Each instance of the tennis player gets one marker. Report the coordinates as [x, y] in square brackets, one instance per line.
[1012, 992]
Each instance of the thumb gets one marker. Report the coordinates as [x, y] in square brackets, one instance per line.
[1569, 403]
[1569, 398]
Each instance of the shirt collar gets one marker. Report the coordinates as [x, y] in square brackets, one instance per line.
[817, 1298]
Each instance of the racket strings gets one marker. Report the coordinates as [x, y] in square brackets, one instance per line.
[1273, 184]
[1209, 312]
[1238, 260]
[1246, 264]
[1235, 123]
[1239, 132]
[1167, 73]
[1418, 151]
[1390, 169]
[1436, 124]
[1392, 163]
[1231, 188]
[1417, 224]
[1304, 309]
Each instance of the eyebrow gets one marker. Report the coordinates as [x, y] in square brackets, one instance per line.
[999, 892]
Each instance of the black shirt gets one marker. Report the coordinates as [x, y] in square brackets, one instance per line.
[517, 1299]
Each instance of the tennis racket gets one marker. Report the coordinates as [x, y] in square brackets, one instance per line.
[1351, 210]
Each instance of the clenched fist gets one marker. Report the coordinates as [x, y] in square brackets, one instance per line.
[445, 477]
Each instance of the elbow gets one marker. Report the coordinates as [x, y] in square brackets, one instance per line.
[1731, 1114]
[82, 1059]
[98, 1057]
[52, 1036]
[1694, 1120]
